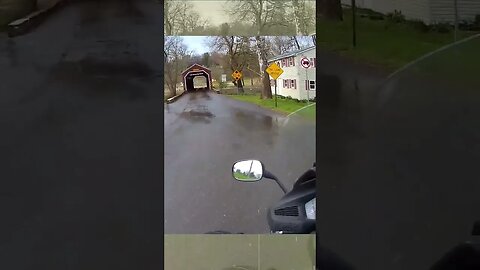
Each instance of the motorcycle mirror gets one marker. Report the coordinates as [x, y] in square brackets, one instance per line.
[248, 170]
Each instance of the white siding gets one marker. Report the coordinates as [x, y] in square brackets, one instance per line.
[412, 9]
[443, 10]
[429, 11]
[299, 74]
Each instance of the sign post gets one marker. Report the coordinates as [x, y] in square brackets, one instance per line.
[275, 93]
[237, 75]
[274, 71]
[354, 27]
[306, 64]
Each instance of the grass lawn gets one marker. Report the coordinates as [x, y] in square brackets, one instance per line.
[379, 42]
[458, 65]
[285, 106]
[241, 176]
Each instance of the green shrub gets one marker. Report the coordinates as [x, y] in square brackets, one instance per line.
[468, 26]
[222, 85]
[376, 17]
[418, 25]
[396, 16]
[442, 28]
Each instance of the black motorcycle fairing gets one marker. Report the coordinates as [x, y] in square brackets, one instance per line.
[310, 174]
[289, 215]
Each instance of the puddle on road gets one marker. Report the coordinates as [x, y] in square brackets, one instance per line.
[113, 67]
[197, 114]
[99, 78]
[12, 52]
[202, 94]
[329, 99]
[255, 120]
[96, 11]
[258, 123]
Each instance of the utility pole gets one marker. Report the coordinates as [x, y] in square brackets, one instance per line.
[455, 8]
[354, 24]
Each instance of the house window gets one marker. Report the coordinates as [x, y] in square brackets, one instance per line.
[293, 60]
[290, 61]
[315, 62]
[294, 84]
[309, 85]
[283, 63]
[284, 83]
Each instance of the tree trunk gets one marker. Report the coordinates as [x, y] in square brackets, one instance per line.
[263, 63]
[330, 9]
[296, 42]
[296, 13]
[172, 86]
[171, 79]
[267, 87]
[240, 87]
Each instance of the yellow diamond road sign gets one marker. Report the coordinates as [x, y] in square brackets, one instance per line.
[236, 75]
[274, 70]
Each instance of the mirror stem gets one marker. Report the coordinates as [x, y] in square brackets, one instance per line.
[267, 174]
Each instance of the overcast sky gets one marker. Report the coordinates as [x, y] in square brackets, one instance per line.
[197, 44]
[214, 11]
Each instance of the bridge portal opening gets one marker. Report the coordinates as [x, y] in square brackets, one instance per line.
[197, 77]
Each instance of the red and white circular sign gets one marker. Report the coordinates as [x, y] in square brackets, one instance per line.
[305, 62]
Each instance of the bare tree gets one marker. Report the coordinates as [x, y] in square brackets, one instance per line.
[263, 49]
[284, 44]
[238, 52]
[262, 14]
[304, 16]
[180, 18]
[329, 9]
[176, 56]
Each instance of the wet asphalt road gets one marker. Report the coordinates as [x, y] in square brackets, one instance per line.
[80, 117]
[205, 133]
[398, 165]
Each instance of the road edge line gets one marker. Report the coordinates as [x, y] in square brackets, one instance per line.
[304, 107]
[172, 99]
[25, 24]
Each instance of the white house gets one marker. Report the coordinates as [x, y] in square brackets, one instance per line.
[428, 11]
[295, 81]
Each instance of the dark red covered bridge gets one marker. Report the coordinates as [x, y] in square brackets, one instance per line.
[194, 71]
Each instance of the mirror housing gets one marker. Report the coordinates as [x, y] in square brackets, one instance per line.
[249, 170]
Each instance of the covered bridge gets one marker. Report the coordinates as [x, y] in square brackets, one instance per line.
[197, 77]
